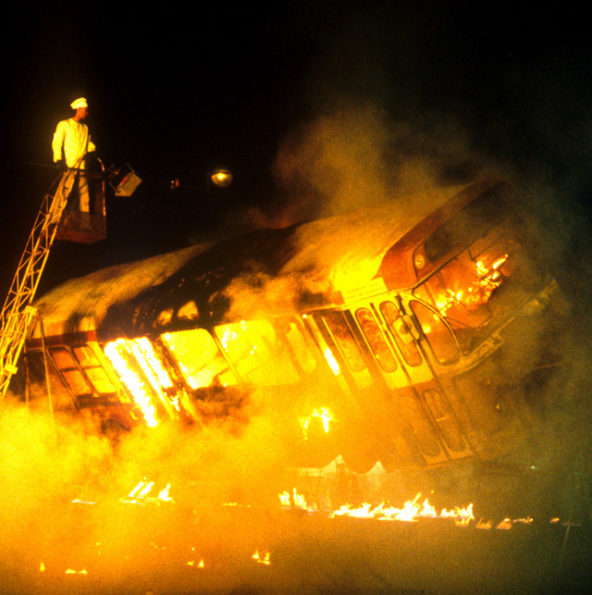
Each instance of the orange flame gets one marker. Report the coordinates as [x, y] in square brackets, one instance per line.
[410, 512]
[117, 351]
[321, 413]
[141, 493]
[263, 558]
[295, 500]
[332, 361]
[478, 291]
[194, 564]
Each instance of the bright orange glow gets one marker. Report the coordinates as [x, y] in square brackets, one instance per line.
[263, 558]
[475, 291]
[119, 353]
[508, 523]
[505, 525]
[461, 516]
[257, 352]
[332, 361]
[151, 366]
[198, 357]
[323, 414]
[221, 178]
[164, 495]
[144, 375]
[194, 564]
[295, 500]
[410, 512]
[141, 493]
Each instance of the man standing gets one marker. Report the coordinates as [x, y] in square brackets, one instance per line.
[70, 145]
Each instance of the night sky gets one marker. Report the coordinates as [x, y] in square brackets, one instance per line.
[180, 89]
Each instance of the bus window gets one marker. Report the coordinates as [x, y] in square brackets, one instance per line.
[256, 351]
[346, 342]
[199, 358]
[401, 333]
[376, 340]
[67, 365]
[478, 268]
[299, 343]
[440, 339]
[94, 370]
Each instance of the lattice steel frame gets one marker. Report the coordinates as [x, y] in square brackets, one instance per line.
[17, 312]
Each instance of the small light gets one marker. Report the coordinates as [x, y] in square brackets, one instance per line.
[221, 177]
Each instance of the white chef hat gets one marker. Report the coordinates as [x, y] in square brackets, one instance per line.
[80, 102]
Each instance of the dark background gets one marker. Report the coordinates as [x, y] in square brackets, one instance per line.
[180, 89]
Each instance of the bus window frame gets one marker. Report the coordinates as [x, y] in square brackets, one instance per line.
[443, 322]
[178, 364]
[307, 343]
[63, 370]
[358, 379]
[399, 341]
[272, 349]
[386, 348]
[338, 343]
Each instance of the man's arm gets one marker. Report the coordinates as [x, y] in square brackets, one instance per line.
[57, 143]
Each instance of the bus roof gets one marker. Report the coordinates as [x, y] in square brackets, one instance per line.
[271, 271]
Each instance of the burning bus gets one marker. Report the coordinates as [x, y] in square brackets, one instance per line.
[418, 333]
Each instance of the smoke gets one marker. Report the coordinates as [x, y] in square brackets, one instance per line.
[64, 502]
[356, 156]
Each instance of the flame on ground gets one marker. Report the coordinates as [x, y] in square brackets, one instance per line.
[196, 564]
[323, 414]
[141, 493]
[262, 558]
[410, 512]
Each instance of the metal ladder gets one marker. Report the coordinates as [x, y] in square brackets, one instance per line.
[17, 312]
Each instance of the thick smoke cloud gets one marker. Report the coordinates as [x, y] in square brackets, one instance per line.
[64, 505]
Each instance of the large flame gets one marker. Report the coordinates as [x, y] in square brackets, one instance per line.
[410, 512]
[475, 291]
[144, 375]
[119, 353]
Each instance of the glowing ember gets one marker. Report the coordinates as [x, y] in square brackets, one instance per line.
[508, 523]
[481, 524]
[505, 525]
[323, 414]
[141, 493]
[164, 495]
[263, 558]
[295, 500]
[194, 564]
[461, 516]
